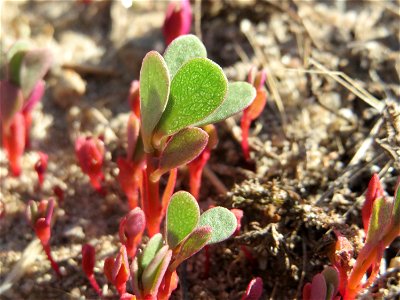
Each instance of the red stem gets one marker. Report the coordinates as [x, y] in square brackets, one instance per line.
[95, 285]
[151, 201]
[169, 190]
[54, 265]
[245, 126]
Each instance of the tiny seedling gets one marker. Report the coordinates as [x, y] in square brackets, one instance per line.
[88, 262]
[257, 79]
[90, 154]
[117, 270]
[180, 93]
[178, 20]
[131, 230]
[40, 217]
[22, 88]
[187, 232]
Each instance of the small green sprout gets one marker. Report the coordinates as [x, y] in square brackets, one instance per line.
[187, 232]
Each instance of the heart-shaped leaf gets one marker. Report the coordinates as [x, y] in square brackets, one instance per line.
[181, 50]
[152, 247]
[182, 217]
[198, 88]
[154, 91]
[34, 66]
[192, 244]
[156, 269]
[183, 147]
[11, 102]
[221, 220]
[240, 95]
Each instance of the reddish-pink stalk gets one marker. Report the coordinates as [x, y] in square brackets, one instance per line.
[169, 190]
[196, 168]
[254, 110]
[151, 200]
[14, 142]
[53, 264]
[88, 262]
[129, 178]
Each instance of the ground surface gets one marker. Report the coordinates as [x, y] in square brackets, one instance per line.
[314, 148]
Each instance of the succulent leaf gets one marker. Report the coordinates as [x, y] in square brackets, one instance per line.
[154, 91]
[221, 220]
[182, 217]
[181, 50]
[240, 95]
[182, 148]
[198, 89]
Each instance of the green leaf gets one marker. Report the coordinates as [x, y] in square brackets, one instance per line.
[152, 247]
[182, 217]
[380, 219]
[221, 220]
[17, 47]
[154, 91]
[11, 102]
[192, 244]
[197, 90]
[34, 66]
[181, 50]
[15, 64]
[152, 275]
[182, 148]
[240, 95]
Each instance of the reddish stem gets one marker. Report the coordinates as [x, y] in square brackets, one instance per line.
[196, 168]
[169, 190]
[54, 265]
[152, 205]
[245, 126]
[94, 284]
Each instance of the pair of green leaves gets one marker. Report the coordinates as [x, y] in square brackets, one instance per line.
[184, 89]
[187, 232]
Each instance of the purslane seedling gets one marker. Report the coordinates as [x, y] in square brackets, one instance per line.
[40, 217]
[180, 92]
[22, 89]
